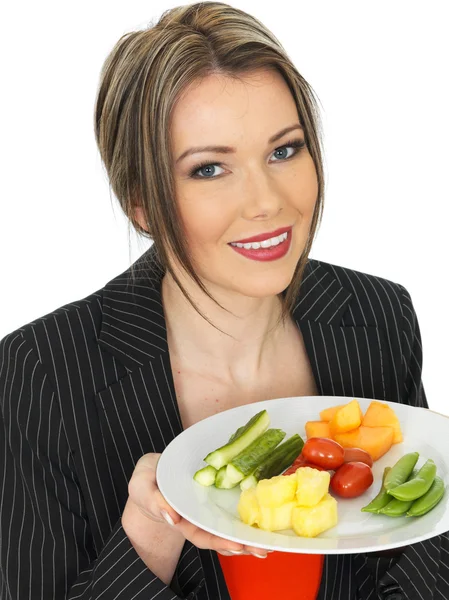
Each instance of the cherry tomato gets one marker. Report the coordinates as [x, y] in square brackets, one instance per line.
[358, 455]
[298, 465]
[351, 479]
[324, 452]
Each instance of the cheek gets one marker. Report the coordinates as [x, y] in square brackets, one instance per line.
[206, 221]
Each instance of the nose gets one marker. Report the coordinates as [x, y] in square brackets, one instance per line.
[262, 199]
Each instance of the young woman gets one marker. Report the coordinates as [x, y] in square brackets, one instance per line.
[210, 139]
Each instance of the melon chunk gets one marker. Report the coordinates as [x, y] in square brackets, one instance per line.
[375, 440]
[328, 413]
[382, 415]
[317, 429]
[346, 418]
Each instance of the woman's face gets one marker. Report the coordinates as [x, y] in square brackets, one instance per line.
[256, 189]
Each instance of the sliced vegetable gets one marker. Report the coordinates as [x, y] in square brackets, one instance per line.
[206, 475]
[221, 480]
[278, 460]
[246, 461]
[255, 427]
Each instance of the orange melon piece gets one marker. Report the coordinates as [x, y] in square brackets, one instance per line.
[346, 418]
[317, 429]
[375, 440]
[328, 413]
[379, 414]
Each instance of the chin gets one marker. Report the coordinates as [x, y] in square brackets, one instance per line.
[262, 286]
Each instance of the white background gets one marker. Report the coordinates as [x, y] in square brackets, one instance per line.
[380, 70]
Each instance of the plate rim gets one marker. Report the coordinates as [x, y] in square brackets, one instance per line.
[309, 548]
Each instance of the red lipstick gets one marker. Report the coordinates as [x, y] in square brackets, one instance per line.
[266, 254]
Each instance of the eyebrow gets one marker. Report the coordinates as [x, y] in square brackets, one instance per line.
[231, 149]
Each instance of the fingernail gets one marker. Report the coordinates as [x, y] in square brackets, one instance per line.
[167, 517]
[236, 551]
[260, 555]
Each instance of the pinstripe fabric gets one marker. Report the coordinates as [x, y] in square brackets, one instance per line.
[87, 389]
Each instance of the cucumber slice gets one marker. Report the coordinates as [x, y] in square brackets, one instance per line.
[252, 430]
[206, 475]
[246, 462]
[221, 480]
[237, 433]
[248, 482]
[277, 461]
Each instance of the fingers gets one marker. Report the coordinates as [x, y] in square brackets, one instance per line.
[206, 540]
[143, 491]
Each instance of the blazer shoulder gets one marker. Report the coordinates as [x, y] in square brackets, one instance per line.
[60, 322]
[375, 300]
[354, 280]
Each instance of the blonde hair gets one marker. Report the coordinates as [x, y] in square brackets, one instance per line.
[141, 80]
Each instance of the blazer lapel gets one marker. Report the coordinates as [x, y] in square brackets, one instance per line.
[347, 360]
[139, 413]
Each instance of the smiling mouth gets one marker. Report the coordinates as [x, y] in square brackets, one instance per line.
[268, 243]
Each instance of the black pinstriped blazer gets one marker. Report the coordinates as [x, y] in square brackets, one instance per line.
[86, 390]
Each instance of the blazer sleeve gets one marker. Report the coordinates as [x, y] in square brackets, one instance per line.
[421, 572]
[46, 548]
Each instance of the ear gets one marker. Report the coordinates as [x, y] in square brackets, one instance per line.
[140, 217]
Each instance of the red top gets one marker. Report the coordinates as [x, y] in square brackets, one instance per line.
[281, 575]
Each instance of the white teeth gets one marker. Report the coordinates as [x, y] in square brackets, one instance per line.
[264, 244]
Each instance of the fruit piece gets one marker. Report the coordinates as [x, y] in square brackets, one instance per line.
[317, 429]
[248, 507]
[248, 459]
[346, 418]
[324, 452]
[358, 455]
[296, 466]
[328, 413]
[312, 485]
[276, 491]
[351, 479]
[254, 427]
[375, 440]
[276, 518]
[379, 414]
[311, 521]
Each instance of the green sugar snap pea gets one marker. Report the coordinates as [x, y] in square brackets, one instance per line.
[430, 499]
[398, 508]
[417, 487]
[401, 471]
[381, 499]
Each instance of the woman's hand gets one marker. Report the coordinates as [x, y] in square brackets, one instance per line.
[147, 506]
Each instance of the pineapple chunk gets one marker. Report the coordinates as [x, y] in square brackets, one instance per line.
[275, 519]
[311, 521]
[248, 507]
[276, 491]
[312, 485]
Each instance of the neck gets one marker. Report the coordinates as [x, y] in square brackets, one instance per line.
[243, 341]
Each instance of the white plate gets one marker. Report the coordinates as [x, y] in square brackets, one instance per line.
[215, 510]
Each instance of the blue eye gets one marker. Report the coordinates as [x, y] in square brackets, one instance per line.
[297, 145]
